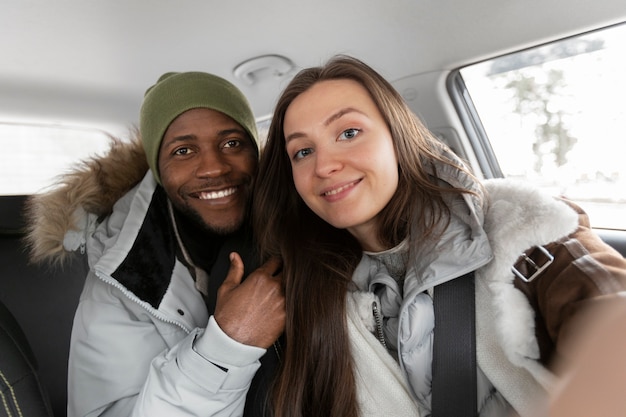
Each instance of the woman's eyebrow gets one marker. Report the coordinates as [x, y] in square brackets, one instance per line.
[340, 114]
[335, 116]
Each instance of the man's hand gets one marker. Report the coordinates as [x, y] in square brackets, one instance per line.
[252, 312]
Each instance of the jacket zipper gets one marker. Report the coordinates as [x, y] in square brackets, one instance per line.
[379, 324]
[142, 303]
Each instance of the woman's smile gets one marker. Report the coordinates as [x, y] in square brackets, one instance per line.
[337, 192]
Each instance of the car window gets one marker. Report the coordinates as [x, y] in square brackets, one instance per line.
[34, 155]
[555, 116]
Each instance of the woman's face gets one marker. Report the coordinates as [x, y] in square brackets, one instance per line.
[342, 156]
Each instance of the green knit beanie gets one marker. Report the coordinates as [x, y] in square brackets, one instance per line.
[176, 92]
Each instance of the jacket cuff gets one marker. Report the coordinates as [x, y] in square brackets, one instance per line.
[217, 347]
[232, 365]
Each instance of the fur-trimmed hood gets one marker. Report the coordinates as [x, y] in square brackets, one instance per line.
[91, 188]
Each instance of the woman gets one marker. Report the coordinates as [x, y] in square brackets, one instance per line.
[371, 213]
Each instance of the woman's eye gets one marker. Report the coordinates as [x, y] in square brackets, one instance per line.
[349, 134]
[302, 153]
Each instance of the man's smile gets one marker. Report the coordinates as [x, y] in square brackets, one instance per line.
[213, 195]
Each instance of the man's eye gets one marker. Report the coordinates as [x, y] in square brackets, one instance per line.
[302, 153]
[232, 143]
[349, 134]
[181, 151]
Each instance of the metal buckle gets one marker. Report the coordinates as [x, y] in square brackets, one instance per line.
[538, 269]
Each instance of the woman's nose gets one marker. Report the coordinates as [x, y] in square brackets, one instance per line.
[326, 162]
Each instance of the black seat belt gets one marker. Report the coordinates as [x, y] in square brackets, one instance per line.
[454, 349]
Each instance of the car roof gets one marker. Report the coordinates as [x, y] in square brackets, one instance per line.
[91, 61]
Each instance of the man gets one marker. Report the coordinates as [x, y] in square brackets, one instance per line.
[156, 332]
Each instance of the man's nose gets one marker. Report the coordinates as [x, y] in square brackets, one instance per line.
[211, 164]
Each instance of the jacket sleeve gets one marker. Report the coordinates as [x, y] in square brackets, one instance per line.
[207, 374]
[120, 365]
[586, 274]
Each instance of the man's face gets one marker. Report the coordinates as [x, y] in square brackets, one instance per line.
[207, 164]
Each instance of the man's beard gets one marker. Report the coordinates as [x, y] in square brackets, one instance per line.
[195, 219]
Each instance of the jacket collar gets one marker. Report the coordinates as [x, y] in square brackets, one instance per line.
[147, 268]
[136, 245]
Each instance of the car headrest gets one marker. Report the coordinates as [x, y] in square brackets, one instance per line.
[11, 214]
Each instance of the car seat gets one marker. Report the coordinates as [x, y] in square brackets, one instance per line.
[21, 392]
[43, 301]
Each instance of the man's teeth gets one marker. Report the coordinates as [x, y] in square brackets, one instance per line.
[217, 194]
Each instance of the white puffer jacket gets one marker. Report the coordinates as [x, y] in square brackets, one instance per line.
[516, 217]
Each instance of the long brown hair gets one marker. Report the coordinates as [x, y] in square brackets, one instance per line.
[316, 376]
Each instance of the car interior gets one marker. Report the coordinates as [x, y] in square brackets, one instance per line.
[74, 73]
